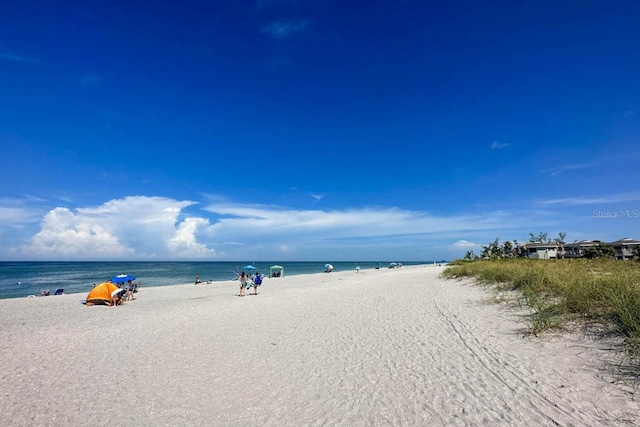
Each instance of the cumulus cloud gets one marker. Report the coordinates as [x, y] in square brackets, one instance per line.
[134, 227]
[63, 235]
[156, 228]
[184, 239]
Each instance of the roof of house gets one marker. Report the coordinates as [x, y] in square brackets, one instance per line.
[625, 241]
[541, 245]
[584, 243]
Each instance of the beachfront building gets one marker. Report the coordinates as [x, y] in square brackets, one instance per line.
[538, 250]
[624, 248]
[576, 249]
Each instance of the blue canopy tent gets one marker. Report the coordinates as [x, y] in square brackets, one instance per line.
[121, 278]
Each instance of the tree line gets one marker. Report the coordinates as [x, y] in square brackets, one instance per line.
[513, 249]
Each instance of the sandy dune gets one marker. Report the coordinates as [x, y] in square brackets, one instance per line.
[381, 347]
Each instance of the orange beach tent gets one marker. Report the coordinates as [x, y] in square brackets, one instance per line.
[101, 294]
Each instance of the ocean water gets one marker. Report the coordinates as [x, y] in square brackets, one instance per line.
[21, 279]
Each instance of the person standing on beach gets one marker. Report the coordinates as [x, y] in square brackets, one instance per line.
[131, 290]
[255, 282]
[243, 284]
[198, 279]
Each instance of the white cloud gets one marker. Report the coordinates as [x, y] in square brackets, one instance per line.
[14, 215]
[559, 169]
[464, 244]
[318, 197]
[285, 249]
[283, 30]
[20, 212]
[63, 235]
[244, 222]
[18, 58]
[141, 227]
[583, 200]
[134, 227]
[184, 241]
[498, 145]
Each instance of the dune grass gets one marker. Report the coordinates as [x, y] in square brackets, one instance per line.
[559, 291]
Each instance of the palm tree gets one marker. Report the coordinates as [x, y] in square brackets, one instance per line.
[560, 241]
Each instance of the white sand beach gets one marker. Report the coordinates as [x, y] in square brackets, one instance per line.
[389, 347]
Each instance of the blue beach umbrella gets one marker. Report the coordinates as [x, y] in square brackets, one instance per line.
[121, 278]
[249, 267]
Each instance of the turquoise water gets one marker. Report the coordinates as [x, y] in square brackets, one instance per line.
[21, 279]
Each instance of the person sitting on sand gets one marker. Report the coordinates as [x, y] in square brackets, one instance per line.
[116, 297]
[257, 281]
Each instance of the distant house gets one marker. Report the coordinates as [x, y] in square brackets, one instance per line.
[624, 248]
[538, 250]
[576, 249]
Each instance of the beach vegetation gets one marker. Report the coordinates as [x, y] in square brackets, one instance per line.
[561, 292]
[470, 256]
[599, 251]
[495, 250]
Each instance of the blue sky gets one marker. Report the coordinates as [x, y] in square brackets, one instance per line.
[314, 130]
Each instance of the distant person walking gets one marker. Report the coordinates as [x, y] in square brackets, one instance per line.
[243, 284]
[257, 281]
[198, 279]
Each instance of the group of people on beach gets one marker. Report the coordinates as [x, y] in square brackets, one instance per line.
[247, 281]
[198, 281]
[124, 293]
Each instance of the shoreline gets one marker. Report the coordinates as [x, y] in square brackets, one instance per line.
[391, 346]
[18, 282]
[214, 282]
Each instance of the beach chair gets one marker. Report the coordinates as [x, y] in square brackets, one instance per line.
[59, 292]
